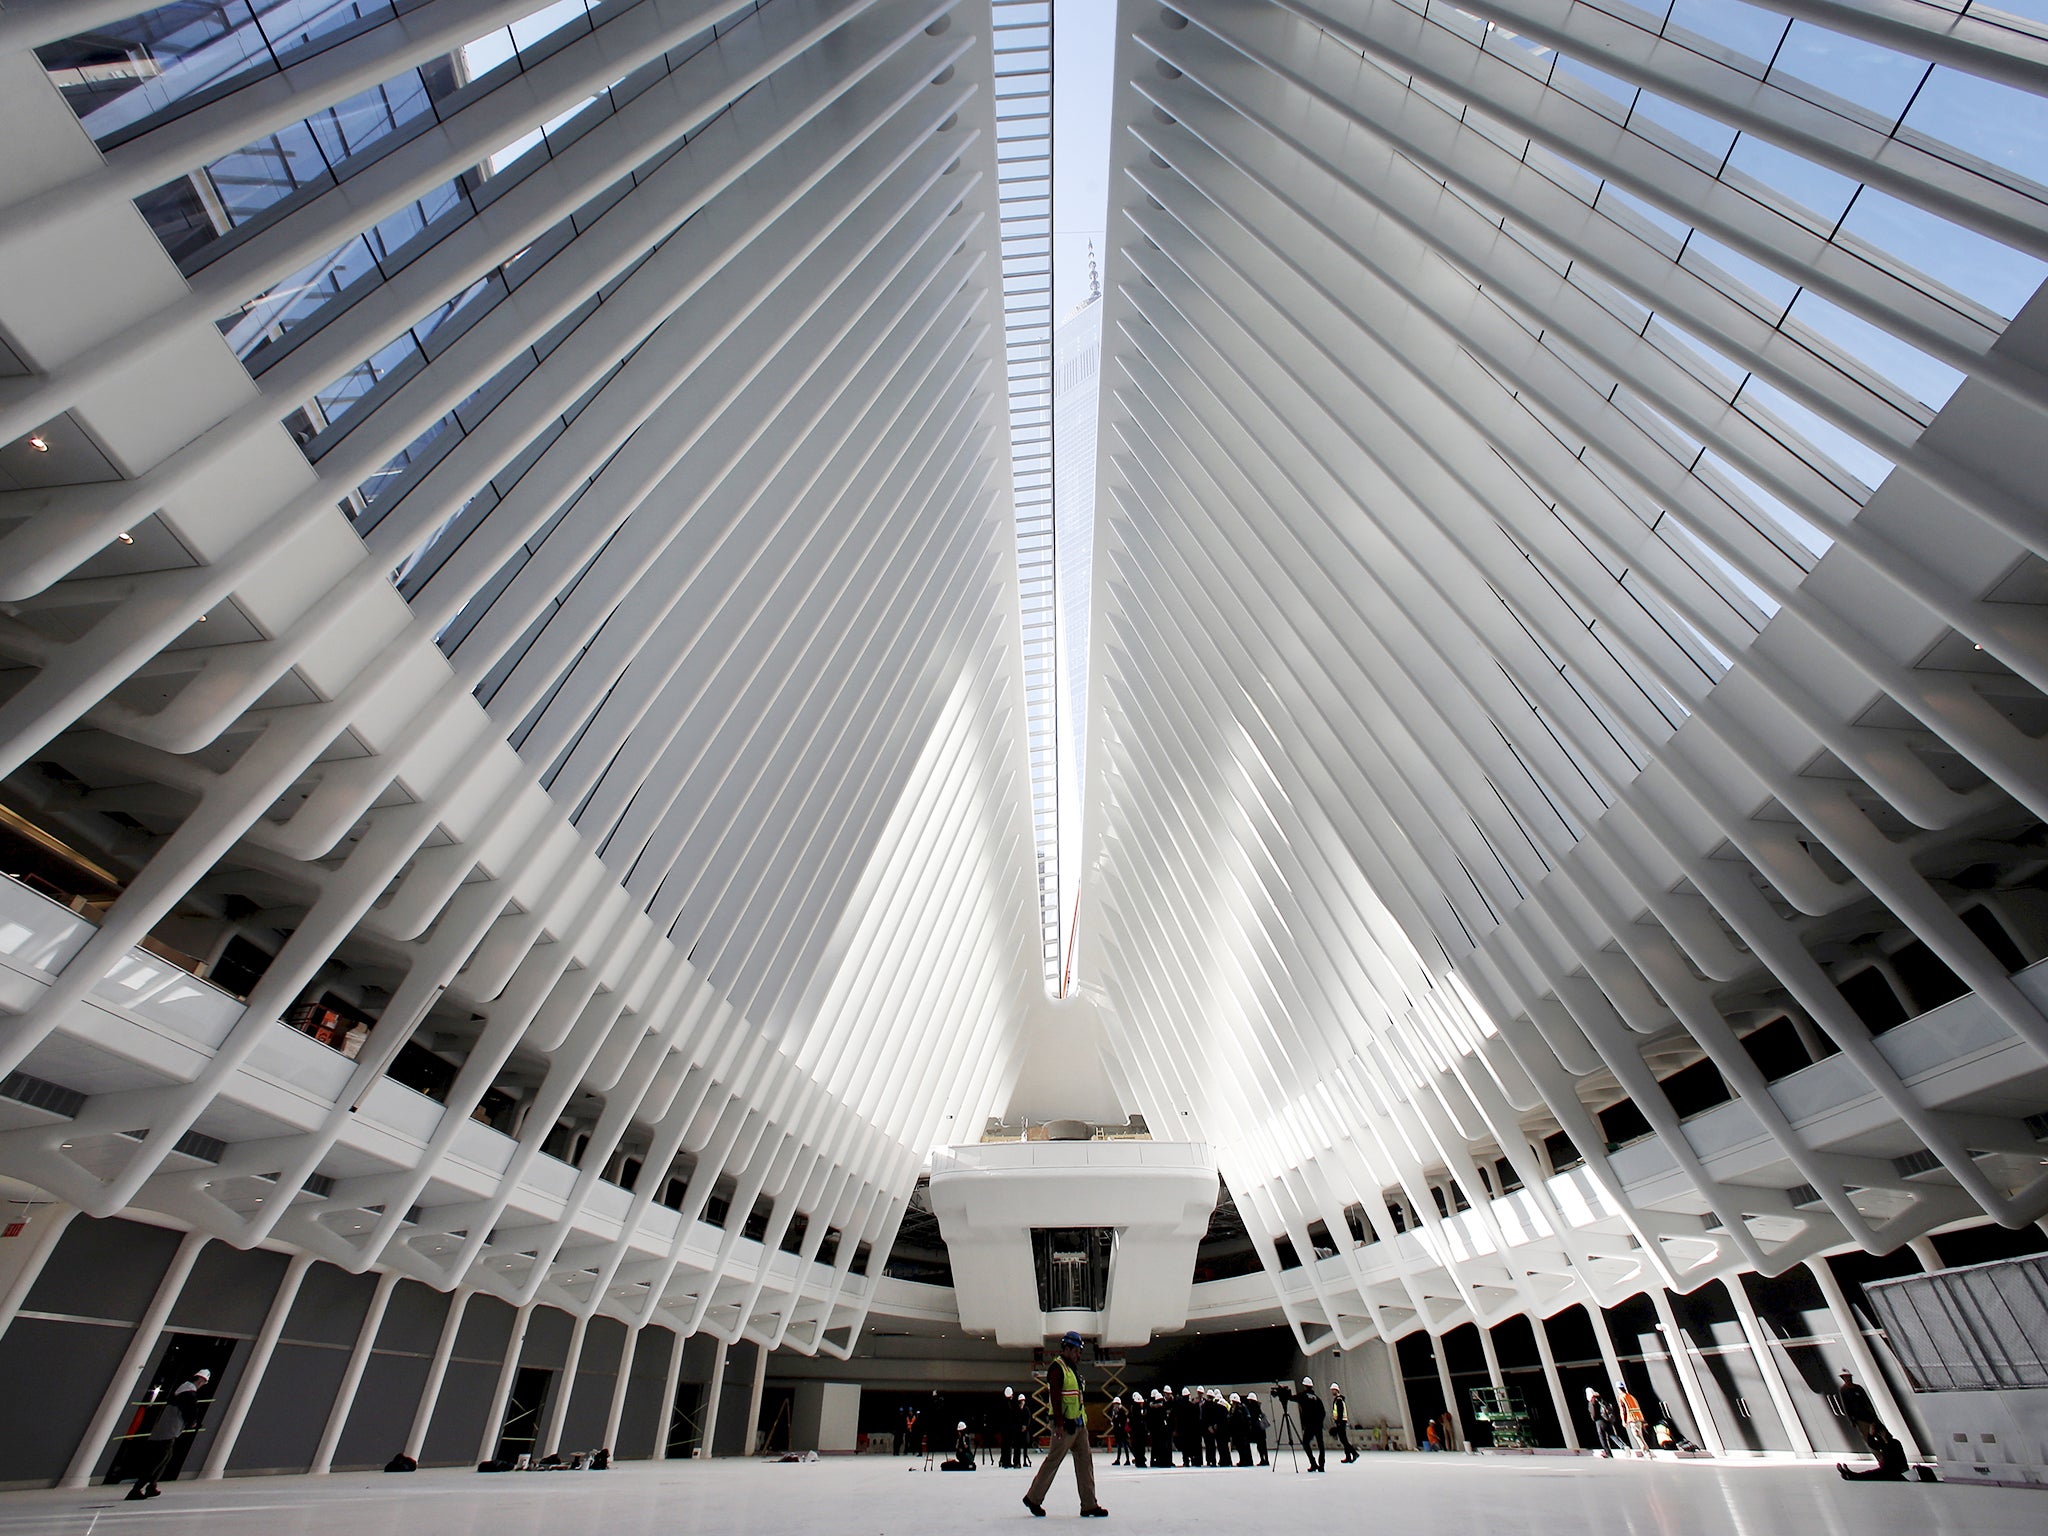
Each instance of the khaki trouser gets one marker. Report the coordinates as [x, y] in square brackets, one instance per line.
[1066, 1443]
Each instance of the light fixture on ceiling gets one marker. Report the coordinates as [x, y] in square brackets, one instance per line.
[40, 443]
[125, 538]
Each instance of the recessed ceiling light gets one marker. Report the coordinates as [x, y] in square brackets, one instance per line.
[40, 443]
[125, 538]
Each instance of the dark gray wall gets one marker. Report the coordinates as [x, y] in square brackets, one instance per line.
[394, 1377]
[382, 1412]
[101, 1276]
[458, 1425]
[103, 1269]
[94, 1287]
[604, 1343]
[69, 1365]
[731, 1437]
[229, 1292]
[644, 1422]
[290, 1410]
[298, 1391]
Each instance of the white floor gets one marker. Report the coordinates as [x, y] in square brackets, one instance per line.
[1399, 1495]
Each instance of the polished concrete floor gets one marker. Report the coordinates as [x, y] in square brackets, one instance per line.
[1402, 1495]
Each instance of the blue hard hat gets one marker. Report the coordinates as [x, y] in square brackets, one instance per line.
[1070, 1338]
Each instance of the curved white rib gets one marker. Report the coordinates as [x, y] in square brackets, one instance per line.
[651, 749]
[1508, 692]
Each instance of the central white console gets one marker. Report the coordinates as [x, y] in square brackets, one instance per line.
[1147, 1202]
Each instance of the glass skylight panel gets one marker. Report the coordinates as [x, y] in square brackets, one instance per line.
[1023, 32]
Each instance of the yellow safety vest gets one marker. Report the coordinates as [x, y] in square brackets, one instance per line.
[1070, 1392]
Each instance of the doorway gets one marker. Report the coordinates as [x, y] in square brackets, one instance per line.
[521, 1434]
[184, 1354]
[685, 1420]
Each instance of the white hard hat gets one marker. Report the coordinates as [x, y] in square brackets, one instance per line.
[1251, 1397]
[1009, 1391]
[1235, 1398]
[961, 1425]
[1336, 1389]
[1309, 1382]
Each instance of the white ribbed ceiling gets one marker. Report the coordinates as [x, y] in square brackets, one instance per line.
[513, 512]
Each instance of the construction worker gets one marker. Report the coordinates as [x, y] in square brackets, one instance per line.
[1857, 1407]
[1069, 1432]
[1187, 1427]
[1340, 1422]
[1632, 1419]
[1240, 1431]
[1255, 1423]
[1311, 1423]
[1606, 1423]
[1215, 1428]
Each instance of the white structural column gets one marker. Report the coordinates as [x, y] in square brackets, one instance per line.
[1610, 1357]
[1857, 1344]
[565, 1390]
[227, 1430]
[665, 1407]
[352, 1374]
[713, 1395]
[1486, 1348]
[1767, 1363]
[760, 1381]
[621, 1382]
[437, 1373]
[1688, 1377]
[127, 1378]
[501, 1392]
[1399, 1388]
[1443, 1380]
[1567, 1424]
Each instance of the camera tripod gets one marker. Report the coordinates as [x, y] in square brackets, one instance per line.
[1287, 1439]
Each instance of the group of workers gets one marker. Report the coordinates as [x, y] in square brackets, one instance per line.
[1620, 1424]
[1194, 1427]
[1200, 1426]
